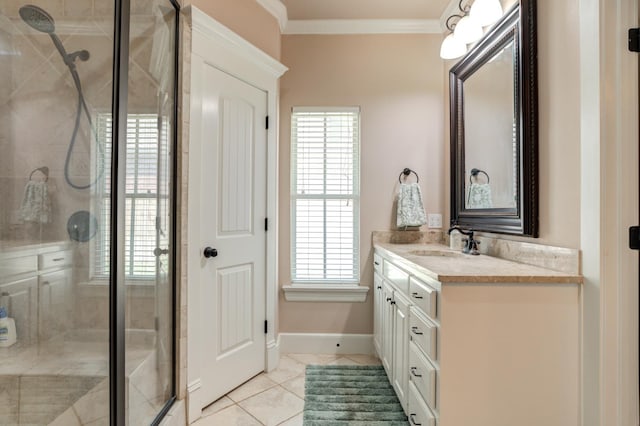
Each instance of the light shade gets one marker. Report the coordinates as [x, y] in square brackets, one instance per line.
[452, 48]
[486, 12]
[468, 30]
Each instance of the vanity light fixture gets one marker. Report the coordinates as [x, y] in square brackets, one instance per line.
[466, 27]
[452, 48]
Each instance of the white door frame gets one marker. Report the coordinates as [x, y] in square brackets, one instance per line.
[609, 162]
[230, 53]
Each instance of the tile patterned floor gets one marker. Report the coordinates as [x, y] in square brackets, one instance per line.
[275, 398]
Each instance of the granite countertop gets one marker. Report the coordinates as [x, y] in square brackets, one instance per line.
[448, 265]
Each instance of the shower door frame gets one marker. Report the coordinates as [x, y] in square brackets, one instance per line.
[117, 288]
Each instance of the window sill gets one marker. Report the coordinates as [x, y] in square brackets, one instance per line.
[325, 293]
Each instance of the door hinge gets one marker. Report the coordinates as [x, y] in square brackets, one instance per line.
[634, 40]
[634, 238]
[266, 223]
[266, 123]
[265, 326]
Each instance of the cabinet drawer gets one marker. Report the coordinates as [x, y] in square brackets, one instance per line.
[419, 413]
[18, 265]
[423, 375]
[377, 263]
[56, 259]
[424, 297]
[424, 334]
[396, 276]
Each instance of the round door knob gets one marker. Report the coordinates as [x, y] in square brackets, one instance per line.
[210, 252]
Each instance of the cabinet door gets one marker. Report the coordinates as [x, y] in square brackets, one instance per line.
[55, 303]
[400, 347]
[20, 298]
[378, 307]
[387, 327]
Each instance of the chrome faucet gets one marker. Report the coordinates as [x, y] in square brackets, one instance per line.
[470, 245]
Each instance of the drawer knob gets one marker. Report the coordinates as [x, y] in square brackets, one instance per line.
[393, 302]
[413, 372]
[376, 263]
[388, 299]
[379, 287]
[413, 422]
[416, 296]
[415, 330]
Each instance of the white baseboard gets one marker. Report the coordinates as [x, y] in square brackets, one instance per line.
[321, 343]
[273, 354]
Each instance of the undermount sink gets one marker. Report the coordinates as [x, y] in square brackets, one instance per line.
[436, 253]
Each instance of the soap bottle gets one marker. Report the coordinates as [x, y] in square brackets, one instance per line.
[7, 329]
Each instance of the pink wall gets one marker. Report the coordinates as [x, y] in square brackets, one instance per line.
[246, 18]
[397, 82]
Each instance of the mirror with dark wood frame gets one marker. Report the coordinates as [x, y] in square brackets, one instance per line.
[494, 128]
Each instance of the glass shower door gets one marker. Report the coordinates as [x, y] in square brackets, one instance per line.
[149, 191]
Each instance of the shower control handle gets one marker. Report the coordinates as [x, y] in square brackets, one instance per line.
[159, 252]
[210, 252]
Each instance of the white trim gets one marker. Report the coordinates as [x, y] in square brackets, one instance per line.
[325, 293]
[277, 9]
[220, 47]
[363, 26]
[321, 343]
[609, 204]
[194, 410]
[273, 354]
[228, 40]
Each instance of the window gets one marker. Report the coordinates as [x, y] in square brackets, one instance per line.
[325, 195]
[141, 196]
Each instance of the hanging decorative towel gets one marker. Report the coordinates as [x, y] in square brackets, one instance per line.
[479, 196]
[36, 205]
[410, 207]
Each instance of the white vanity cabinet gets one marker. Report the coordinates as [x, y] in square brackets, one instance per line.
[36, 289]
[55, 295]
[392, 320]
[484, 349]
[377, 303]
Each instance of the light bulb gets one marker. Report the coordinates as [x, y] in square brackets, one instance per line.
[486, 12]
[452, 48]
[468, 30]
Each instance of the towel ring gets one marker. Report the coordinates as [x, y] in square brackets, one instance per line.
[44, 170]
[475, 172]
[406, 172]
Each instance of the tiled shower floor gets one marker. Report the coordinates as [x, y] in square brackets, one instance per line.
[65, 381]
[275, 398]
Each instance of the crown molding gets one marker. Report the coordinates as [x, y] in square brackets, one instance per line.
[363, 26]
[277, 9]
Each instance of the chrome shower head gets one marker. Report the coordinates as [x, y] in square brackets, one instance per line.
[37, 18]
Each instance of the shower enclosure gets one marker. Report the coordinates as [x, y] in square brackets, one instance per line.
[87, 211]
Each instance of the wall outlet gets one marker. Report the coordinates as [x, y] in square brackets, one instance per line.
[434, 220]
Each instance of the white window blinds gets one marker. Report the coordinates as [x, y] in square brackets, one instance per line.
[141, 195]
[325, 195]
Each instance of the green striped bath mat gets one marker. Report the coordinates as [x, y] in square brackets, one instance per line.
[350, 395]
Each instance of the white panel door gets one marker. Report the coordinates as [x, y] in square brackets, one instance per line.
[232, 213]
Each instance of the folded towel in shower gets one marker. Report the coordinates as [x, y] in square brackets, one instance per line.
[410, 207]
[36, 205]
[479, 196]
